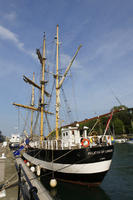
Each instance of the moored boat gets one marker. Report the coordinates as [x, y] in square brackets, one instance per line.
[121, 140]
[129, 141]
[76, 155]
[81, 160]
[15, 141]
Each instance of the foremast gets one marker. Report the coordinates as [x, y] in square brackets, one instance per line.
[32, 104]
[42, 59]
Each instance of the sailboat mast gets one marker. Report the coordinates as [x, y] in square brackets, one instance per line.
[42, 90]
[57, 88]
[32, 104]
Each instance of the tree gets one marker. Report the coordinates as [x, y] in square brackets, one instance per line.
[2, 138]
[118, 126]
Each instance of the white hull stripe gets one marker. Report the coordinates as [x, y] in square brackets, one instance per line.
[74, 168]
[89, 168]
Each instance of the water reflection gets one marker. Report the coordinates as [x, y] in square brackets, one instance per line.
[118, 183]
[65, 191]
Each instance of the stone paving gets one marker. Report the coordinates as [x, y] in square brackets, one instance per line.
[6, 172]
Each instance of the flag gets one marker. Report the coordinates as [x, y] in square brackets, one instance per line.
[17, 152]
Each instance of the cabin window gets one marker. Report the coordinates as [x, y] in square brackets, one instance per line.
[66, 133]
[72, 132]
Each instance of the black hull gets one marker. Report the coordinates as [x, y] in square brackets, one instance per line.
[83, 155]
[86, 166]
[81, 179]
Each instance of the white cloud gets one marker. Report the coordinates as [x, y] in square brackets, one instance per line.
[114, 45]
[6, 34]
[107, 55]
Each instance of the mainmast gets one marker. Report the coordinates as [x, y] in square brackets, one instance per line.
[32, 104]
[42, 90]
[57, 83]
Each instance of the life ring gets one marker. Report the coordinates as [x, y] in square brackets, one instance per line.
[85, 142]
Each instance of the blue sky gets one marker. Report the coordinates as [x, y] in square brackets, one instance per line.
[102, 70]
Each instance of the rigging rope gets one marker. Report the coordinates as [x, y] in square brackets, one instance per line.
[78, 162]
[18, 120]
[6, 184]
[36, 122]
[25, 124]
[94, 126]
[25, 120]
[74, 98]
[69, 113]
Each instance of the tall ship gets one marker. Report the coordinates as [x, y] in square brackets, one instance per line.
[74, 152]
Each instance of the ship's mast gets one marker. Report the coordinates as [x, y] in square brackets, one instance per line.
[42, 90]
[32, 104]
[42, 59]
[59, 83]
[41, 87]
[57, 88]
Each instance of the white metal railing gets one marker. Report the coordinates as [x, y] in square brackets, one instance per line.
[77, 142]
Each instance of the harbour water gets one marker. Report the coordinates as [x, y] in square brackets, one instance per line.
[117, 185]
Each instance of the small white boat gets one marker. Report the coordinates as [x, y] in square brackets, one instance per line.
[15, 141]
[130, 141]
[122, 140]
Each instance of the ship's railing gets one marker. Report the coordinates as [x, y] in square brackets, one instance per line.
[93, 141]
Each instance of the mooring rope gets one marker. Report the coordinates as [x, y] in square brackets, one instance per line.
[6, 184]
[60, 169]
